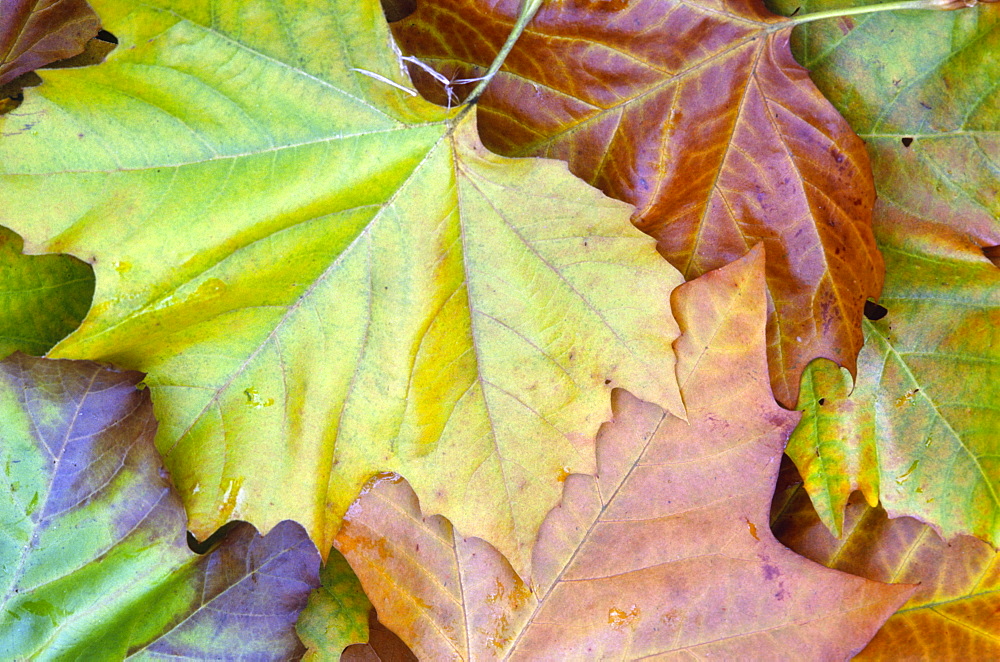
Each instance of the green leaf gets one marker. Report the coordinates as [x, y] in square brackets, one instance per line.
[929, 374]
[929, 379]
[834, 444]
[43, 298]
[93, 553]
[337, 614]
[329, 277]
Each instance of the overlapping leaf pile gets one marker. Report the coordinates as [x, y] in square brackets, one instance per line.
[326, 278]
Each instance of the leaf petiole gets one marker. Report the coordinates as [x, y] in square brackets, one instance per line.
[938, 5]
[528, 10]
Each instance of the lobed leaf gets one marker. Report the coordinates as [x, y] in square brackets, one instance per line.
[43, 297]
[666, 550]
[930, 371]
[93, 545]
[333, 278]
[696, 113]
[337, 615]
[34, 33]
[952, 614]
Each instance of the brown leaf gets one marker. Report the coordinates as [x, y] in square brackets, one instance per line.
[383, 645]
[34, 33]
[666, 550]
[696, 113]
[953, 613]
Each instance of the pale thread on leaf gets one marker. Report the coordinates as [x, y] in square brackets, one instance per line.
[698, 115]
[666, 550]
[397, 298]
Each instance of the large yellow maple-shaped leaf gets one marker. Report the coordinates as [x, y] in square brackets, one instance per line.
[325, 276]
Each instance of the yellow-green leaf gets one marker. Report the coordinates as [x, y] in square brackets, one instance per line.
[325, 276]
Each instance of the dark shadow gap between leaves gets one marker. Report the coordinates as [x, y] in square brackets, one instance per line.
[211, 542]
[992, 254]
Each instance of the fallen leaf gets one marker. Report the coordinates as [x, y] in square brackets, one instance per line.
[43, 298]
[34, 33]
[930, 116]
[383, 646]
[925, 398]
[696, 113]
[333, 278]
[666, 550]
[337, 615]
[94, 553]
[953, 613]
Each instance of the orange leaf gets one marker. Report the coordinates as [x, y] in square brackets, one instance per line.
[696, 113]
[665, 550]
[953, 613]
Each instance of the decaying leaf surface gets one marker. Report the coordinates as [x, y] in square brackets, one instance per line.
[333, 278]
[696, 113]
[929, 374]
[666, 550]
[34, 33]
[953, 613]
[43, 298]
[93, 551]
[337, 614]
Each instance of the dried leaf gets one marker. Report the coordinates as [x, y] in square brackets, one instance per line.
[953, 613]
[334, 275]
[696, 113]
[34, 33]
[929, 375]
[337, 615]
[94, 553]
[666, 550]
[383, 646]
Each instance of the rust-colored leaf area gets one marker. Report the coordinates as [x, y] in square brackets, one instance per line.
[954, 612]
[666, 550]
[696, 113]
[34, 33]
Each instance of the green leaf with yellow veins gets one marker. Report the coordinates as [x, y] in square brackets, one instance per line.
[325, 276]
[43, 298]
[834, 443]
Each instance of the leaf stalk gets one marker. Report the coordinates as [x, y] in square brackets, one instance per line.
[937, 5]
[527, 12]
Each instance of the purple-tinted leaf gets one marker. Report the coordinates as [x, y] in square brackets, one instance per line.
[93, 555]
[34, 33]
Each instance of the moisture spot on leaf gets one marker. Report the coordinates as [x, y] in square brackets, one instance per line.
[905, 477]
[254, 400]
[619, 619]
